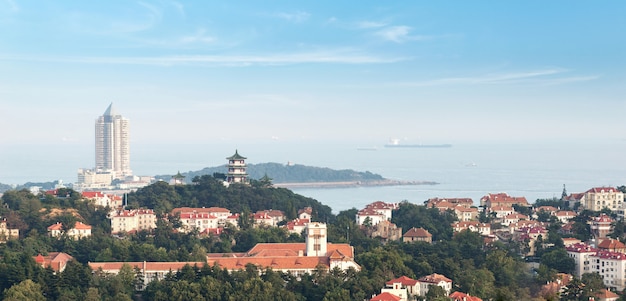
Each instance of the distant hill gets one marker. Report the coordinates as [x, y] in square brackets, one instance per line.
[281, 173]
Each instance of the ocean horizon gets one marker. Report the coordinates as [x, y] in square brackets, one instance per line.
[535, 171]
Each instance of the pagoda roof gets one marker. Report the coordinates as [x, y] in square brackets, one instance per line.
[236, 156]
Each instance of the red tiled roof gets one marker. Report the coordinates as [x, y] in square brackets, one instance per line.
[611, 244]
[404, 280]
[200, 210]
[581, 248]
[459, 296]
[606, 294]
[386, 297]
[152, 266]
[602, 189]
[417, 232]
[92, 194]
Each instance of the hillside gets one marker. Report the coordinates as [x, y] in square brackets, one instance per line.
[281, 173]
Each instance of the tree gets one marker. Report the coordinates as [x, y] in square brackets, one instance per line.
[26, 290]
[436, 293]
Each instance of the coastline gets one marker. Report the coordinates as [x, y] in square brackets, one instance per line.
[350, 184]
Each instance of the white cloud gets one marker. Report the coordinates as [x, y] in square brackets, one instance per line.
[179, 7]
[399, 34]
[536, 77]
[334, 57]
[296, 17]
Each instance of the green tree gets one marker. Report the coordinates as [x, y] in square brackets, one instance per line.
[26, 290]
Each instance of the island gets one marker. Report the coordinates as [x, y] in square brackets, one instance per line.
[303, 176]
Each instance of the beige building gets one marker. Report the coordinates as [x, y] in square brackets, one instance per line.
[7, 233]
[132, 220]
[595, 199]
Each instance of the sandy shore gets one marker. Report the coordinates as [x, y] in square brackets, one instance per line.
[352, 184]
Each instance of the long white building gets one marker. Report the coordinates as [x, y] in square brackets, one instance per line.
[112, 144]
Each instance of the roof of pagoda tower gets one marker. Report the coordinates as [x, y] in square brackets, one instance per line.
[236, 156]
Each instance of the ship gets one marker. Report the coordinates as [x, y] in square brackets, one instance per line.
[395, 143]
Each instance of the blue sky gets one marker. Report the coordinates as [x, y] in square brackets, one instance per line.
[365, 71]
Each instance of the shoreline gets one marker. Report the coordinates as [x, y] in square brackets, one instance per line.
[350, 184]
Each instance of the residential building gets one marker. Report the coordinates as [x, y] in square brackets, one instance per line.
[612, 245]
[474, 226]
[7, 233]
[417, 234]
[113, 144]
[581, 253]
[612, 267]
[57, 261]
[460, 296]
[79, 230]
[297, 225]
[132, 220]
[295, 258]
[565, 216]
[465, 202]
[465, 213]
[434, 279]
[596, 199]
[502, 199]
[385, 231]
[277, 216]
[606, 295]
[601, 226]
[513, 218]
[411, 285]
[387, 297]
[305, 213]
[375, 213]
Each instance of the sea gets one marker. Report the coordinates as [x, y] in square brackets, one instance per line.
[538, 170]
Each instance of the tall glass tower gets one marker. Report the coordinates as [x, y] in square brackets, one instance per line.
[112, 144]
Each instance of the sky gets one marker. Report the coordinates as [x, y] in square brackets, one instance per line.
[196, 72]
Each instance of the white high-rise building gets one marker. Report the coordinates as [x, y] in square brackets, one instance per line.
[112, 144]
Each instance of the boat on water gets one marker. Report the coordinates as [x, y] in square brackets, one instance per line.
[395, 143]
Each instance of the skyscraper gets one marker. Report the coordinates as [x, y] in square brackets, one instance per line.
[112, 144]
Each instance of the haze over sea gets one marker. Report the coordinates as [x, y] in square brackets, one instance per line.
[536, 170]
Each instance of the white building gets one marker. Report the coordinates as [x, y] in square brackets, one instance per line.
[79, 230]
[610, 265]
[375, 212]
[113, 144]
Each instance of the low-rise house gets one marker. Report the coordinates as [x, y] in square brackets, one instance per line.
[417, 234]
[297, 225]
[263, 219]
[57, 261]
[466, 214]
[474, 226]
[375, 213]
[7, 233]
[305, 213]
[530, 235]
[132, 220]
[150, 271]
[434, 279]
[502, 199]
[501, 211]
[612, 245]
[460, 296]
[411, 285]
[601, 226]
[465, 202]
[276, 215]
[198, 221]
[386, 297]
[385, 231]
[395, 289]
[606, 295]
[79, 230]
[565, 216]
[513, 218]
[568, 241]
[102, 199]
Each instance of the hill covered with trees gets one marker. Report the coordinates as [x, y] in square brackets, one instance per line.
[285, 173]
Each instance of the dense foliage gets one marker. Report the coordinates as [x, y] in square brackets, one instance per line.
[493, 272]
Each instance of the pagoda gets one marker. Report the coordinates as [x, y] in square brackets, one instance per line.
[237, 169]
